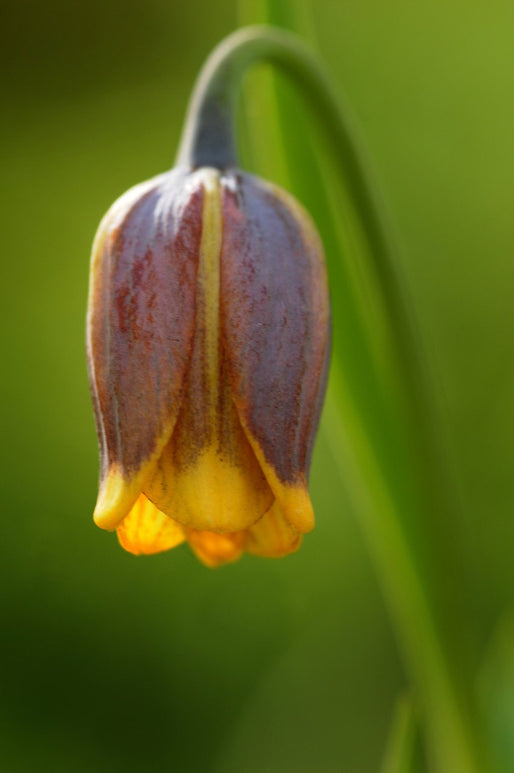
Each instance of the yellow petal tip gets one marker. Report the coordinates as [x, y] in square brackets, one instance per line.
[115, 499]
[146, 530]
[296, 505]
[214, 550]
[272, 536]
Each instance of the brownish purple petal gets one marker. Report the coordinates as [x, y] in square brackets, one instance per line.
[140, 327]
[275, 325]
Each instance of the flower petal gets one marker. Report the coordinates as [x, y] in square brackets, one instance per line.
[145, 530]
[140, 328]
[272, 536]
[275, 332]
[216, 549]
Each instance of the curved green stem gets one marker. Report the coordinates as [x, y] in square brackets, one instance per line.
[209, 140]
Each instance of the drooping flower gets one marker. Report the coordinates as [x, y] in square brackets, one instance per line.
[208, 342]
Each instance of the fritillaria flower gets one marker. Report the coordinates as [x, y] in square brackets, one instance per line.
[207, 346]
[208, 343]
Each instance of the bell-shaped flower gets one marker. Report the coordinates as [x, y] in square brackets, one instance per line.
[208, 341]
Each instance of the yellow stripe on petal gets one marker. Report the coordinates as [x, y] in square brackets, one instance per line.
[208, 294]
[216, 549]
[272, 536]
[146, 530]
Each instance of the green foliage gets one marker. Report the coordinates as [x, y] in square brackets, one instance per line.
[381, 421]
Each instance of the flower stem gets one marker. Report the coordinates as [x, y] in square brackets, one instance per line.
[209, 140]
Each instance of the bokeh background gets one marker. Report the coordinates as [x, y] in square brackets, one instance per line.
[112, 663]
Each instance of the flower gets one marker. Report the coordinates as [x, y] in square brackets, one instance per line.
[208, 341]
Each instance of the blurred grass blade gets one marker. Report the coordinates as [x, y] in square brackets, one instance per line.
[399, 755]
[379, 415]
[496, 689]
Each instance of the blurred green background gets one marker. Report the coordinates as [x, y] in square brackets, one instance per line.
[112, 663]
